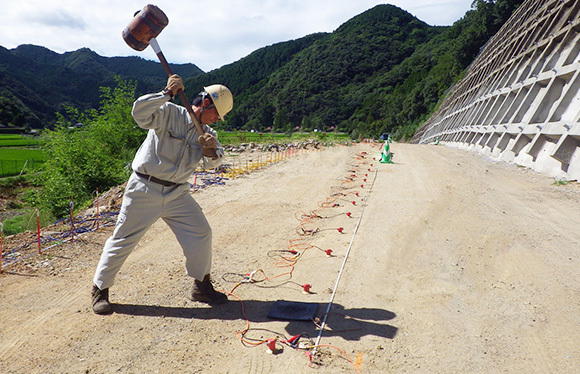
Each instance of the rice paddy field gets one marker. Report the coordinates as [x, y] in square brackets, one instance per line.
[19, 154]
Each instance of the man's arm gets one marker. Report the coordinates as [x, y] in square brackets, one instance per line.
[145, 108]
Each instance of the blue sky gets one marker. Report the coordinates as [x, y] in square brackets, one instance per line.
[209, 34]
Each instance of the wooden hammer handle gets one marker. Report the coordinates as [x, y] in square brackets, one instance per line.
[181, 94]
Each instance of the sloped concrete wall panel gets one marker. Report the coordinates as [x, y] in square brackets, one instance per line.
[520, 99]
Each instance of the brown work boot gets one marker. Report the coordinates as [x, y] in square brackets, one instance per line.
[203, 291]
[101, 301]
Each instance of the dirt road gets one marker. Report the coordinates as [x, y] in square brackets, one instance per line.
[459, 265]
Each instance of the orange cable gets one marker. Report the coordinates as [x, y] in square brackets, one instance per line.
[295, 245]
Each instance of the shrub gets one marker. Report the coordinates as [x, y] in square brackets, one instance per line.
[81, 159]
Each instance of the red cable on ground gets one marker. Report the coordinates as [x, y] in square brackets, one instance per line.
[293, 344]
[342, 268]
[296, 248]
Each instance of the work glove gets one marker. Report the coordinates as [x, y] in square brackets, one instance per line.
[208, 145]
[207, 140]
[174, 84]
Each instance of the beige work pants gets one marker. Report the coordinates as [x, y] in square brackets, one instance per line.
[144, 203]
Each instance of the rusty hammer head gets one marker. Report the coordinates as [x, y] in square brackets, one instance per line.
[146, 25]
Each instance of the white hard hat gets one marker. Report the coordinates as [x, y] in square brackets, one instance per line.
[222, 98]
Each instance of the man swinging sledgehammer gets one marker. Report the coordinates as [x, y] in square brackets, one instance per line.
[159, 187]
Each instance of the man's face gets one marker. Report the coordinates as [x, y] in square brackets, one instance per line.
[209, 116]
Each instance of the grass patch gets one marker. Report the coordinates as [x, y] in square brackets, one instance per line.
[560, 182]
[19, 216]
[19, 154]
[25, 220]
[17, 160]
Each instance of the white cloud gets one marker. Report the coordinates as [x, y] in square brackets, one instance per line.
[209, 34]
[58, 18]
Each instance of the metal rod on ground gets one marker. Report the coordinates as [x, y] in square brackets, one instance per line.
[323, 324]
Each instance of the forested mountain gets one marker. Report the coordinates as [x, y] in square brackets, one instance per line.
[382, 71]
[323, 84]
[35, 82]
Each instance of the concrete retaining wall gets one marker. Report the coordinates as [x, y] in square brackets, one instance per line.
[520, 99]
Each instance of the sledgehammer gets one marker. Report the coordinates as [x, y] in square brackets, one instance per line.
[141, 32]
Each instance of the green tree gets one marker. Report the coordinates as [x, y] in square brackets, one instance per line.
[307, 124]
[281, 121]
[91, 156]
